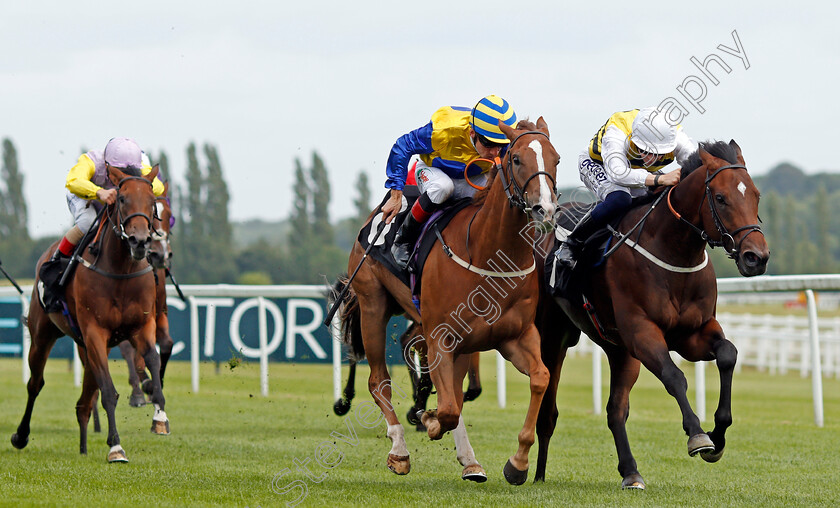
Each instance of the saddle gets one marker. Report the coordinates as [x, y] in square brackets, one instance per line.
[381, 250]
[564, 282]
[50, 289]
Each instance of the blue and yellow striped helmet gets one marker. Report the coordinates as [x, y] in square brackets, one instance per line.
[485, 117]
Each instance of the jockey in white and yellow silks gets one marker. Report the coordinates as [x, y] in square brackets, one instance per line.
[454, 137]
[88, 180]
[626, 155]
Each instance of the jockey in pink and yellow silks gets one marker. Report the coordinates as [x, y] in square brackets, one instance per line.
[88, 180]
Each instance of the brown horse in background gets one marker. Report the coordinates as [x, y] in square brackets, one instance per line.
[658, 293]
[489, 305]
[160, 257]
[110, 298]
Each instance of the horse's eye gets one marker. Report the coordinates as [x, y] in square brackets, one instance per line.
[719, 199]
[122, 200]
[515, 159]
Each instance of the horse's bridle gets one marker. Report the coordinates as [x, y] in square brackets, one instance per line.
[727, 239]
[518, 198]
[119, 227]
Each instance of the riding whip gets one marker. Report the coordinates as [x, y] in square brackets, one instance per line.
[175, 283]
[15, 284]
[379, 229]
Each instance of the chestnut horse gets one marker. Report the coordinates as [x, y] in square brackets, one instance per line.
[111, 298]
[160, 257]
[657, 293]
[460, 314]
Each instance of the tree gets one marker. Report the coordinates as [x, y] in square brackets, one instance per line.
[362, 201]
[825, 262]
[320, 193]
[15, 242]
[219, 235]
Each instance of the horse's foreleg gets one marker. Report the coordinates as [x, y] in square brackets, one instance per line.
[650, 348]
[450, 395]
[97, 363]
[624, 371]
[160, 422]
[465, 453]
[710, 343]
[553, 358]
[137, 398]
[524, 353]
[84, 406]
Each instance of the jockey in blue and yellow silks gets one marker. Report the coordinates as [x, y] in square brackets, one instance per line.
[625, 156]
[454, 137]
[88, 180]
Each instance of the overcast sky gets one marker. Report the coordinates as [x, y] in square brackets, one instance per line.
[269, 81]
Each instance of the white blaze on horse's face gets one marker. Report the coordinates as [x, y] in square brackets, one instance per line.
[742, 188]
[545, 189]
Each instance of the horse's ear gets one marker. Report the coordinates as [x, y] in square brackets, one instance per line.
[153, 173]
[165, 189]
[507, 130]
[542, 126]
[707, 158]
[737, 148]
[115, 175]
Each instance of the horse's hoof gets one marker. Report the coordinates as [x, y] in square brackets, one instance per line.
[117, 454]
[137, 400]
[471, 394]
[711, 456]
[399, 465]
[429, 419]
[413, 415]
[19, 442]
[633, 481]
[700, 443]
[513, 475]
[160, 427]
[474, 473]
[147, 386]
[341, 406]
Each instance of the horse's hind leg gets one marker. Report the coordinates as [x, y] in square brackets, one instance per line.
[553, 358]
[465, 453]
[44, 335]
[709, 343]
[524, 353]
[342, 405]
[624, 371]
[137, 398]
[474, 387]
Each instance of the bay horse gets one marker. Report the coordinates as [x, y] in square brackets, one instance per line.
[460, 314]
[110, 298]
[160, 257]
[658, 293]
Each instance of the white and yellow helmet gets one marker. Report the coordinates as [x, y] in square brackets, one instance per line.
[653, 133]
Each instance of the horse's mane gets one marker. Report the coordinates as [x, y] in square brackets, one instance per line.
[129, 171]
[480, 196]
[719, 149]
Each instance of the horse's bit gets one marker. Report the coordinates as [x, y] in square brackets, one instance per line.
[727, 239]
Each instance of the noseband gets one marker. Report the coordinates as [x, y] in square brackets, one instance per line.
[519, 197]
[119, 228]
[727, 239]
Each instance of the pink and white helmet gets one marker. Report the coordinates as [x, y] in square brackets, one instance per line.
[123, 153]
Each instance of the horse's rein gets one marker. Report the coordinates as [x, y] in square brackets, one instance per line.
[727, 241]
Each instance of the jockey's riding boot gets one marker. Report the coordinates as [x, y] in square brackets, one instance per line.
[404, 241]
[572, 245]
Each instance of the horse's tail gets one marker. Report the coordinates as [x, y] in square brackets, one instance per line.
[351, 327]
